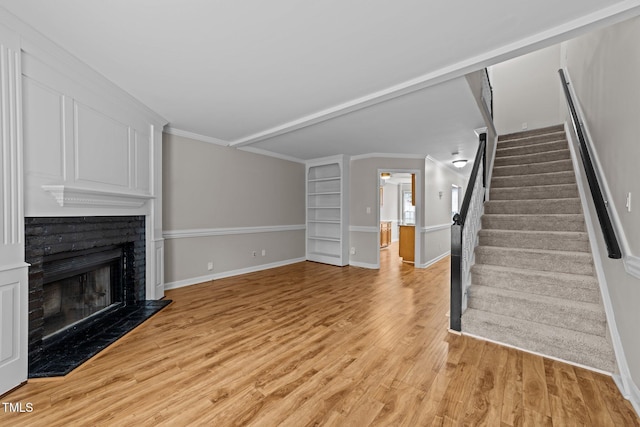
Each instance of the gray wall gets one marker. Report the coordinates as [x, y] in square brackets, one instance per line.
[604, 67]
[435, 212]
[207, 188]
[364, 193]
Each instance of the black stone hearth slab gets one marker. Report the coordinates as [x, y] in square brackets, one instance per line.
[66, 354]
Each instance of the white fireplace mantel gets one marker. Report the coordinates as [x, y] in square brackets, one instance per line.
[72, 196]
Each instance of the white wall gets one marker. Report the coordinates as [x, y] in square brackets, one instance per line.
[525, 90]
[604, 67]
[437, 214]
[222, 204]
[390, 209]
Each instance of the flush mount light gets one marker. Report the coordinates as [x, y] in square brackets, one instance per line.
[385, 175]
[459, 163]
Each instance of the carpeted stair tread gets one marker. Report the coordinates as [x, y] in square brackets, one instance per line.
[537, 206]
[535, 168]
[526, 239]
[585, 317]
[563, 177]
[533, 283]
[531, 140]
[529, 159]
[536, 259]
[532, 133]
[504, 150]
[575, 287]
[552, 191]
[572, 346]
[534, 222]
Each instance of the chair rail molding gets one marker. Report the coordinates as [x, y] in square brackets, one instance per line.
[228, 231]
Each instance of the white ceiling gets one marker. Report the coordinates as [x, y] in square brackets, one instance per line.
[311, 78]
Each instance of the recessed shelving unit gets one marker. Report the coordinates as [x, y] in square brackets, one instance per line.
[327, 216]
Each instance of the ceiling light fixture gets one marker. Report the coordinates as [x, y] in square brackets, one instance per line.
[459, 163]
[385, 175]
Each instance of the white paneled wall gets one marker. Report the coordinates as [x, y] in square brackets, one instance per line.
[13, 270]
[71, 144]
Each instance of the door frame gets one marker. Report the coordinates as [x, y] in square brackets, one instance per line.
[419, 196]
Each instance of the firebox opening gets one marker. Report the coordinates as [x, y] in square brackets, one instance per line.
[79, 285]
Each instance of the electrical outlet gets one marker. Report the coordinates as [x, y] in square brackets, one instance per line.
[368, 209]
[210, 265]
[254, 254]
[525, 126]
[353, 251]
[264, 252]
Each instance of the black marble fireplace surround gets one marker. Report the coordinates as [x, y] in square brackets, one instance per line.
[49, 238]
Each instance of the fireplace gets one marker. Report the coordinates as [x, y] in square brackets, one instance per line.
[78, 285]
[81, 269]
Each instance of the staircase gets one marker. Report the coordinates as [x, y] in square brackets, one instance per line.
[533, 284]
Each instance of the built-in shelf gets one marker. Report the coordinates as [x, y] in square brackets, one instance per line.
[327, 231]
[328, 239]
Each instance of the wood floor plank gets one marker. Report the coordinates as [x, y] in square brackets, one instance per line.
[312, 344]
[534, 385]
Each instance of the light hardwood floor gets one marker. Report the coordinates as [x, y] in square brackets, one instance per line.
[310, 344]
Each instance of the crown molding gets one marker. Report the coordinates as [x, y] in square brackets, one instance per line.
[600, 18]
[195, 136]
[388, 156]
[439, 163]
[272, 154]
[44, 49]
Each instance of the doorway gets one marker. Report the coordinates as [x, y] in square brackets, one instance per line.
[399, 201]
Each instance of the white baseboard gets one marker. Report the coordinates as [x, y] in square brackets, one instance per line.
[634, 398]
[632, 265]
[364, 265]
[434, 260]
[230, 273]
[633, 394]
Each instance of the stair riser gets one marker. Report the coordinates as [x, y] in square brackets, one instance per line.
[528, 159]
[574, 348]
[561, 206]
[559, 262]
[564, 191]
[536, 168]
[533, 223]
[573, 289]
[560, 243]
[504, 150]
[536, 311]
[551, 132]
[533, 180]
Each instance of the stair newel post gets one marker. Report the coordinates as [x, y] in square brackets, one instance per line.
[455, 311]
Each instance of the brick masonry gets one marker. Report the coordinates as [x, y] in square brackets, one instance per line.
[49, 236]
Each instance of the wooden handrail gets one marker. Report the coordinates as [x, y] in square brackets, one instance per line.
[600, 204]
